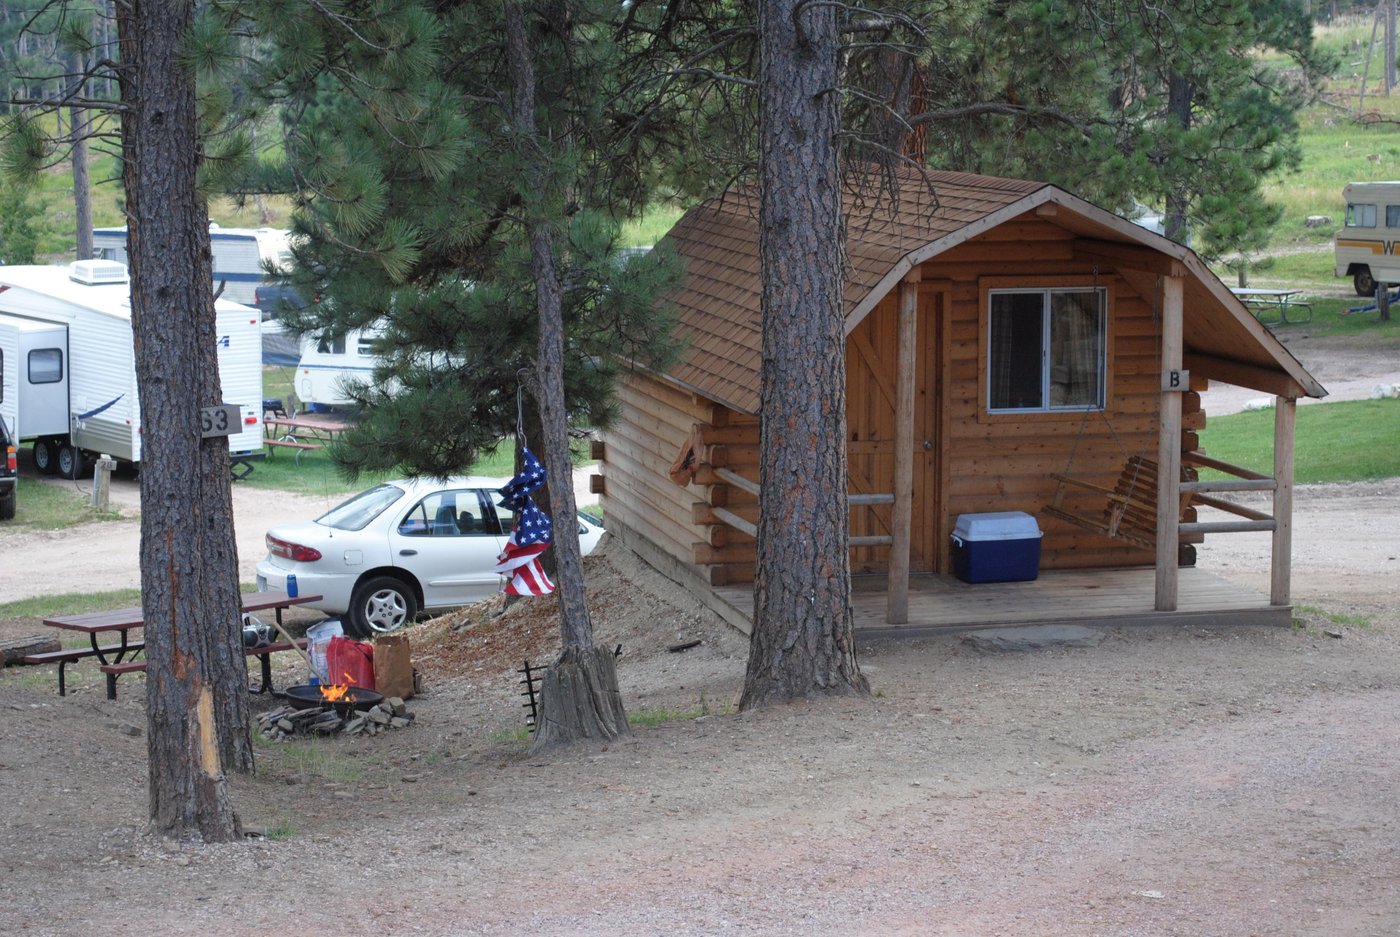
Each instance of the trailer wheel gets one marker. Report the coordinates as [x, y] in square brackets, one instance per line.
[71, 463]
[1363, 282]
[46, 456]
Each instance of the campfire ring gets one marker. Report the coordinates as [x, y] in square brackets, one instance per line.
[309, 697]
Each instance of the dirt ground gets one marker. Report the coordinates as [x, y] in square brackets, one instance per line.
[1169, 781]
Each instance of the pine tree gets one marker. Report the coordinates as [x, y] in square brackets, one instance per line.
[1121, 102]
[803, 633]
[465, 205]
[197, 676]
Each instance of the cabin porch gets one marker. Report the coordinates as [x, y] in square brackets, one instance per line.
[1099, 597]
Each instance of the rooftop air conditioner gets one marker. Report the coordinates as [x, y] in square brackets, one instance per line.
[97, 272]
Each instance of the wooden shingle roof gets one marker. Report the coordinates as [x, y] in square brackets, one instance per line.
[718, 304]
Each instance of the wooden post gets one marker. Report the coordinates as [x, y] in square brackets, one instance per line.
[897, 603]
[1169, 448]
[1285, 413]
[102, 481]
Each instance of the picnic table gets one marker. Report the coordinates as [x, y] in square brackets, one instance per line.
[1261, 302]
[118, 657]
[303, 432]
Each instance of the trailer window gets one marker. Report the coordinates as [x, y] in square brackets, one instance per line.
[1360, 216]
[46, 366]
[1392, 216]
[331, 346]
[1046, 350]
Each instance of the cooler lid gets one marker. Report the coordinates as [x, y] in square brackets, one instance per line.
[996, 525]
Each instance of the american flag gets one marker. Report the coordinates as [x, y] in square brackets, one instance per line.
[533, 533]
[517, 491]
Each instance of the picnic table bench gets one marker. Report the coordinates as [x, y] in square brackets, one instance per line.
[124, 621]
[69, 655]
[1263, 301]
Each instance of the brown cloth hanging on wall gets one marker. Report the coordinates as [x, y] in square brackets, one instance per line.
[688, 462]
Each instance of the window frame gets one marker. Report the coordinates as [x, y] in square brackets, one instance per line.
[988, 286]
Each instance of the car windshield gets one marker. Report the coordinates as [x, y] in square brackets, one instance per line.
[361, 509]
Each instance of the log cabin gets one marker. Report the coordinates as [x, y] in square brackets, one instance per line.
[1009, 347]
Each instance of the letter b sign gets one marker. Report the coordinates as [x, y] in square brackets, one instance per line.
[1176, 380]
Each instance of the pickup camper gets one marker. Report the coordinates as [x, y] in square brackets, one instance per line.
[1368, 246]
[71, 390]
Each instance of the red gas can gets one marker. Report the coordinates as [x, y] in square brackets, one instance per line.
[350, 662]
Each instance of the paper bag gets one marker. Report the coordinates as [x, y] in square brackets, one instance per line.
[393, 668]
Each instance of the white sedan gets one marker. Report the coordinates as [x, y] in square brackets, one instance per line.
[399, 548]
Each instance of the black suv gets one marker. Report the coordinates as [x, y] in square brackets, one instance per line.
[8, 471]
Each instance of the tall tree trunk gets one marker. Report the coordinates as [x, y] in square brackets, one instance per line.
[579, 697]
[196, 680]
[802, 642]
[82, 188]
[1179, 93]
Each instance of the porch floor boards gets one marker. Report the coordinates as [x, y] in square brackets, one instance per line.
[1100, 597]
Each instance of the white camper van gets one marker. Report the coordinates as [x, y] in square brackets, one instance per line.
[239, 255]
[74, 391]
[328, 364]
[1368, 247]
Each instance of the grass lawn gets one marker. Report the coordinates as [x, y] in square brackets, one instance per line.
[1354, 440]
[69, 603]
[54, 507]
[315, 472]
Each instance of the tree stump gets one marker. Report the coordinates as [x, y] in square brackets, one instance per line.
[579, 700]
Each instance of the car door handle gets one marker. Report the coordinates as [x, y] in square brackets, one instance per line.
[408, 553]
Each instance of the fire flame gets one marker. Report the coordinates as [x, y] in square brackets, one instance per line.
[338, 692]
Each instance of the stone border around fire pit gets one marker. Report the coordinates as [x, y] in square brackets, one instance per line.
[285, 722]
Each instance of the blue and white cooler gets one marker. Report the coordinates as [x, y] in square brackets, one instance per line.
[1001, 546]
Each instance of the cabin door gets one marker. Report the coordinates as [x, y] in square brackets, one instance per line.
[871, 350]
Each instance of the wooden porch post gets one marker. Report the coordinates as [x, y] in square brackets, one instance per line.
[1169, 447]
[901, 519]
[1285, 413]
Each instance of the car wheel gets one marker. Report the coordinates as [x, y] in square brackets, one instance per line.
[46, 456]
[7, 505]
[1363, 282]
[71, 463]
[379, 605]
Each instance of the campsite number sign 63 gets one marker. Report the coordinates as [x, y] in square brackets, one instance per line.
[219, 421]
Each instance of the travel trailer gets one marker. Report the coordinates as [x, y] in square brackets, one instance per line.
[240, 256]
[71, 390]
[328, 365]
[1368, 247]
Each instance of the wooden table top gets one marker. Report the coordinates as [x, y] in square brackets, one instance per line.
[126, 619]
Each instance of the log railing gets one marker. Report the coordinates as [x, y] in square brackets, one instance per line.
[725, 476]
[1244, 480]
